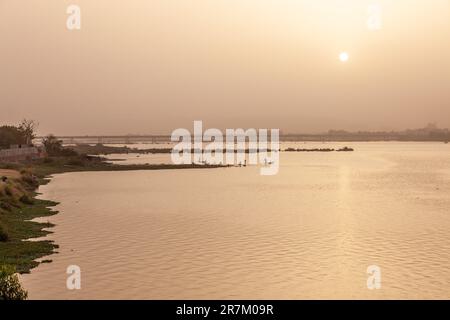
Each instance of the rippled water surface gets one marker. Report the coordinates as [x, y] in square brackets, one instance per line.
[309, 232]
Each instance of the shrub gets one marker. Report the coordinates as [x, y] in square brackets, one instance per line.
[8, 191]
[66, 152]
[26, 199]
[30, 179]
[5, 206]
[10, 287]
[48, 160]
[4, 236]
[75, 162]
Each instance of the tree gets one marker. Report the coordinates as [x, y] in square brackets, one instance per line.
[10, 287]
[24, 133]
[11, 135]
[52, 145]
[28, 129]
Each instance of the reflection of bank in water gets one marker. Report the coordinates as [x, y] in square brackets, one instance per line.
[344, 149]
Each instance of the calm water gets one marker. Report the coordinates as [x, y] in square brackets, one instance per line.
[309, 232]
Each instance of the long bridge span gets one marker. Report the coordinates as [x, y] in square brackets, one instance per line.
[104, 139]
[350, 137]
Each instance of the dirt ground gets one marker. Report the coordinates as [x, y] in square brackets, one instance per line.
[13, 174]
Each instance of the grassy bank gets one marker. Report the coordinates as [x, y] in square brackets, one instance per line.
[18, 204]
[17, 207]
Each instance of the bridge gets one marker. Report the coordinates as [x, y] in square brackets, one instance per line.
[128, 139]
[343, 137]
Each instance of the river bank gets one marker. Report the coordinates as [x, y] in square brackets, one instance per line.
[19, 183]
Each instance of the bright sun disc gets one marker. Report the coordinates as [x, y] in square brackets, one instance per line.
[343, 56]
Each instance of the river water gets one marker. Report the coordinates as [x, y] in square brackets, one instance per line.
[309, 232]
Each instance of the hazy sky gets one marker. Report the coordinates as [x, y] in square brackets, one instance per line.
[151, 66]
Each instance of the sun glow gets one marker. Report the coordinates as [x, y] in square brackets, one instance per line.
[343, 56]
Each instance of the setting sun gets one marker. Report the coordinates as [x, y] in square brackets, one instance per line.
[343, 56]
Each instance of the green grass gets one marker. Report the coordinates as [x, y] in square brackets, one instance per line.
[21, 253]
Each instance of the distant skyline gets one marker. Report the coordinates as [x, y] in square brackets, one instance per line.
[151, 66]
[430, 127]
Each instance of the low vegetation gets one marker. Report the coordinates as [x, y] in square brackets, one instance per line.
[10, 288]
[17, 208]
